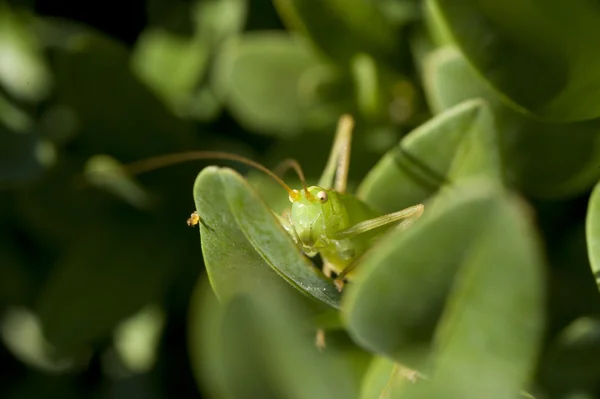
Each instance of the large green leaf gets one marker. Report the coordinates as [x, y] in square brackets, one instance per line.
[538, 54]
[223, 366]
[543, 159]
[446, 297]
[460, 143]
[240, 235]
[232, 263]
[489, 335]
[410, 279]
[261, 345]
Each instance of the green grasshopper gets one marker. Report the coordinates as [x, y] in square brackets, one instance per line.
[323, 219]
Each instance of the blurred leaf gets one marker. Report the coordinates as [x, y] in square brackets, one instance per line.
[360, 27]
[23, 70]
[538, 55]
[592, 232]
[571, 364]
[108, 274]
[170, 64]
[543, 159]
[376, 378]
[137, 339]
[458, 144]
[225, 367]
[218, 20]
[122, 118]
[16, 281]
[55, 209]
[439, 32]
[233, 216]
[400, 13]
[22, 334]
[282, 360]
[261, 78]
[382, 94]
[365, 79]
[489, 299]
[14, 117]
[21, 155]
[175, 64]
[107, 173]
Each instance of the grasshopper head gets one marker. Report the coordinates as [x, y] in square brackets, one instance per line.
[312, 216]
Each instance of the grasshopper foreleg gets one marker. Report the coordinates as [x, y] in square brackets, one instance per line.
[409, 214]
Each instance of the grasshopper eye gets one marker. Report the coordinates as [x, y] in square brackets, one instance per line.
[322, 196]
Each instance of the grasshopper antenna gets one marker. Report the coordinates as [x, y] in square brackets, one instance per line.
[162, 161]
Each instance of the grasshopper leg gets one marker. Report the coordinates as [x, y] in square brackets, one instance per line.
[402, 372]
[335, 174]
[409, 214]
[327, 269]
[320, 339]
[413, 212]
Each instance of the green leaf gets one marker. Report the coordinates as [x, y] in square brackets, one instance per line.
[260, 77]
[240, 234]
[382, 94]
[175, 63]
[360, 27]
[446, 297]
[223, 366]
[261, 345]
[570, 362]
[21, 334]
[592, 232]
[376, 378]
[410, 298]
[108, 174]
[543, 159]
[458, 144]
[538, 55]
[218, 20]
[23, 71]
[172, 65]
[232, 263]
[107, 274]
[493, 321]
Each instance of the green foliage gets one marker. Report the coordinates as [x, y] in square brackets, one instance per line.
[485, 112]
[538, 55]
